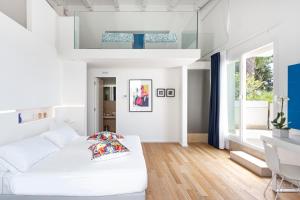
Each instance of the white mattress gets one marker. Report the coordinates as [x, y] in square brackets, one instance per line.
[71, 172]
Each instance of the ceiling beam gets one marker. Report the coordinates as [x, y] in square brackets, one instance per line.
[199, 4]
[60, 2]
[52, 3]
[88, 4]
[172, 4]
[116, 5]
[143, 4]
[58, 6]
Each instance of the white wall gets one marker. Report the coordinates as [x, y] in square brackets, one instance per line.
[73, 86]
[11, 131]
[212, 26]
[29, 69]
[42, 21]
[163, 124]
[29, 72]
[73, 96]
[64, 34]
[255, 23]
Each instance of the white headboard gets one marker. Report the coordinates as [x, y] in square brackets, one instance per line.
[11, 130]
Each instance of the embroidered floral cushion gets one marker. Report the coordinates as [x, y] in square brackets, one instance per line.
[108, 149]
[105, 135]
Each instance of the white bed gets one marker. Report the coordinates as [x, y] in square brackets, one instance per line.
[71, 172]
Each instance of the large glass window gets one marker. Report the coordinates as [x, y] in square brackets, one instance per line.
[250, 96]
[259, 97]
[234, 103]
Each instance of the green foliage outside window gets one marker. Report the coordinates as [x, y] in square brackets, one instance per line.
[259, 79]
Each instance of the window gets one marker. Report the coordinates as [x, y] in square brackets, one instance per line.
[258, 104]
[234, 104]
[250, 96]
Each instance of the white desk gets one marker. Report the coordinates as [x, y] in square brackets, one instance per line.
[288, 151]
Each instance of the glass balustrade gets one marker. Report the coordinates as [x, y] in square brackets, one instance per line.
[136, 30]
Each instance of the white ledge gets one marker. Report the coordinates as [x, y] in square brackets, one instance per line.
[134, 57]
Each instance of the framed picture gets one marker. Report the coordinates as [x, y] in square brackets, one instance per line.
[170, 92]
[160, 92]
[140, 95]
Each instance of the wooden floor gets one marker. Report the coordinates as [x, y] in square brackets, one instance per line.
[200, 172]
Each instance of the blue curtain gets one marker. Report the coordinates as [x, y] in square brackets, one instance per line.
[214, 110]
[138, 41]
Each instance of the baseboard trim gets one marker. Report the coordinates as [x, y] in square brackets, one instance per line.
[198, 138]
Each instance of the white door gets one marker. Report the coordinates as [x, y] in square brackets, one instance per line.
[98, 104]
[250, 96]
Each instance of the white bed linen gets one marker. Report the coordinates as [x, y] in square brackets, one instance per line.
[71, 172]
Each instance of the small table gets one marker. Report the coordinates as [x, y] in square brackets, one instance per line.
[288, 151]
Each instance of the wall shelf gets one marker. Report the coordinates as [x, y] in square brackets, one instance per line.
[30, 115]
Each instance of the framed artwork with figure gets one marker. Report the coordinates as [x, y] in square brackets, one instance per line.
[140, 95]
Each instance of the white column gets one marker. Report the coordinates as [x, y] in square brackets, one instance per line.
[243, 95]
[184, 108]
[223, 123]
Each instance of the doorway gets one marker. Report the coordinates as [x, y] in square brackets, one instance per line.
[105, 104]
[198, 105]
[250, 96]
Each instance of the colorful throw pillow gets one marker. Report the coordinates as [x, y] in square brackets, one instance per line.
[105, 135]
[108, 149]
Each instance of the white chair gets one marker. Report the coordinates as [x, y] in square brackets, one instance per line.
[284, 171]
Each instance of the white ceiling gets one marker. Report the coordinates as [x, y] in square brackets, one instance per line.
[68, 7]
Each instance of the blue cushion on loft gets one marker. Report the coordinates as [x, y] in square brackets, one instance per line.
[138, 41]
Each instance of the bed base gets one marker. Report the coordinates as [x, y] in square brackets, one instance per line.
[130, 196]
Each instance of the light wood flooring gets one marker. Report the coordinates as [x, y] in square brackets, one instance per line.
[200, 172]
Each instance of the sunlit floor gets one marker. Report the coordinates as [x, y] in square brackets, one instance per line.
[252, 136]
[201, 172]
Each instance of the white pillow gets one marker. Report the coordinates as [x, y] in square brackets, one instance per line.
[61, 136]
[21, 155]
[54, 124]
